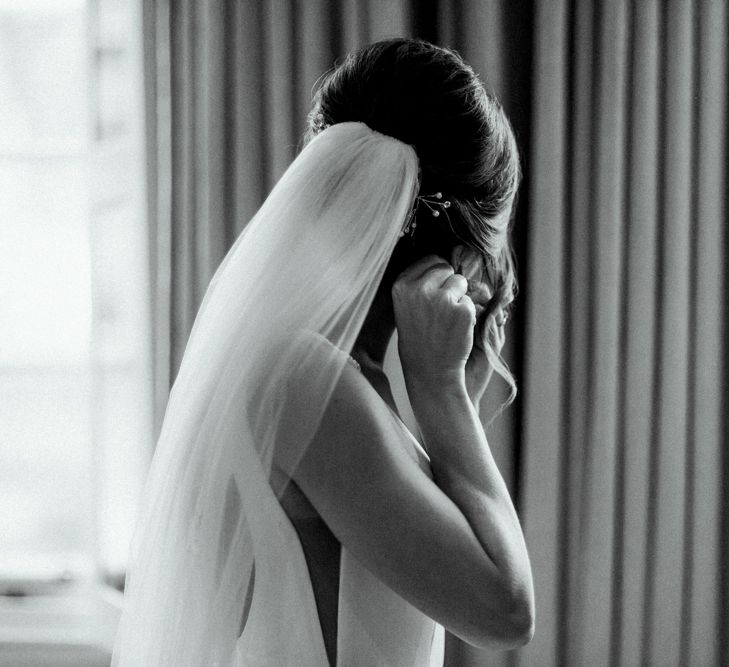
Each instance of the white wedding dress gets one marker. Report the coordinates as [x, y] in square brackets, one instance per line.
[378, 626]
[375, 625]
[214, 544]
[383, 629]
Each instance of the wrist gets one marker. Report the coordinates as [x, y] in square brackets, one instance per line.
[440, 385]
[476, 385]
[442, 409]
[475, 394]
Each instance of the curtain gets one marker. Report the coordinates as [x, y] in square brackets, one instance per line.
[614, 450]
[230, 85]
[624, 471]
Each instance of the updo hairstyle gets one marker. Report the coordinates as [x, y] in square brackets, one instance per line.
[428, 97]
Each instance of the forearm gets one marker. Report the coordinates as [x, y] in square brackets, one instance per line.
[476, 388]
[464, 468]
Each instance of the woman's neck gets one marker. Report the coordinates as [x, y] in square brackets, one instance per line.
[374, 337]
[371, 345]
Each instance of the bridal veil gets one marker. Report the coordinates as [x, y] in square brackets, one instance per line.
[215, 578]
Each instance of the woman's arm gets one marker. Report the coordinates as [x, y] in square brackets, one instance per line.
[464, 469]
[450, 545]
[436, 319]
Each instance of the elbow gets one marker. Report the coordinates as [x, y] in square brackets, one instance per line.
[518, 594]
[516, 626]
[507, 627]
[519, 626]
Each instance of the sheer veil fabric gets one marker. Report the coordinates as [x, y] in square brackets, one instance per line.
[217, 575]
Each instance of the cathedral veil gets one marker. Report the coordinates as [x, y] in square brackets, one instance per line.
[215, 578]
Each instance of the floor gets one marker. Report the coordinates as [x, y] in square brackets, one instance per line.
[14, 655]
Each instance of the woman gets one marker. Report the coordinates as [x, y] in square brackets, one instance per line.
[292, 517]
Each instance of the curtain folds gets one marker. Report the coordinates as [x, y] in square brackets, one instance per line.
[626, 378]
[615, 449]
[240, 76]
[233, 82]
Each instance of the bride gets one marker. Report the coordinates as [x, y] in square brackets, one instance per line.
[291, 518]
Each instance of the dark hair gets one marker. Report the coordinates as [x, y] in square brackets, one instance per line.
[428, 97]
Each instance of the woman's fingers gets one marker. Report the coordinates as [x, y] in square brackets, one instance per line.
[433, 273]
[500, 337]
[500, 319]
[422, 268]
[466, 305]
[491, 328]
[481, 333]
[480, 292]
[455, 286]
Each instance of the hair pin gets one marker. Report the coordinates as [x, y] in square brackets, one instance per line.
[433, 203]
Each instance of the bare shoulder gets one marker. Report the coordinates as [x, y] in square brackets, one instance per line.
[357, 424]
[333, 412]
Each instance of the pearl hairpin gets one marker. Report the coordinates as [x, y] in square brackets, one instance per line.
[432, 202]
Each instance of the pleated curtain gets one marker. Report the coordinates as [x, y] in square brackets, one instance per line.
[624, 472]
[614, 451]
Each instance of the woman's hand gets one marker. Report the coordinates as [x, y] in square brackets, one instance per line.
[490, 323]
[435, 321]
[479, 370]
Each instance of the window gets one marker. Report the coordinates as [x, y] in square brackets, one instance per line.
[76, 423]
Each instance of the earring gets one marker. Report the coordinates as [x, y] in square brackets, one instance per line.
[319, 123]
